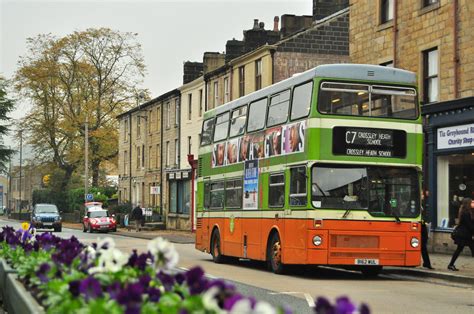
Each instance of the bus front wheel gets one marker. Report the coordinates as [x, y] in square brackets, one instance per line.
[217, 256]
[274, 254]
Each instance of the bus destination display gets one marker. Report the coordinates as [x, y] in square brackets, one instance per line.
[369, 142]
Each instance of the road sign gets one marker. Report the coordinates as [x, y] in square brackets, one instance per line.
[89, 197]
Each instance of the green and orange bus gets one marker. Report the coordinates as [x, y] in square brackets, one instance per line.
[323, 168]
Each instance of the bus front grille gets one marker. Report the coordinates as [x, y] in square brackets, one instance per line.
[354, 241]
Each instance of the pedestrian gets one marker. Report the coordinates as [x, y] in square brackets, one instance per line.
[464, 231]
[424, 242]
[137, 215]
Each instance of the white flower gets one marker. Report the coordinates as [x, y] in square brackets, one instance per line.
[105, 244]
[263, 307]
[89, 253]
[163, 252]
[111, 260]
[242, 306]
[245, 307]
[209, 300]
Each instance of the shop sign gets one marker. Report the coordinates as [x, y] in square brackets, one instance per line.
[155, 190]
[456, 136]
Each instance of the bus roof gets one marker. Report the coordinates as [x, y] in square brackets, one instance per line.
[365, 72]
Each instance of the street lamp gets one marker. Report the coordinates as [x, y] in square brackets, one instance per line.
[21, 159]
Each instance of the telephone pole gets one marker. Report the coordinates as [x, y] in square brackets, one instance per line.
[86, 157]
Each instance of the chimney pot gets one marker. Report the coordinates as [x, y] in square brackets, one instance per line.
[261, 25]
[276, 19]
[255, 23]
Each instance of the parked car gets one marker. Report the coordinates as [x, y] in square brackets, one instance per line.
[46, 216]
[98, 219]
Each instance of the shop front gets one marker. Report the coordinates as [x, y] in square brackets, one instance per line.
[179, 182]
[449, 161]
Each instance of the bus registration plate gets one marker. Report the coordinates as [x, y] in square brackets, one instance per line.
[366, 261]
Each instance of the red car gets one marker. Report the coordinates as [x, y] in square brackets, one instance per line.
[98, 219]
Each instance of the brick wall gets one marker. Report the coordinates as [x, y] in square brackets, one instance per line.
[330, 37]
[288, 63]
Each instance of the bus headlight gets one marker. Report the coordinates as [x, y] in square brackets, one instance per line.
[317, 240]
[414, 242]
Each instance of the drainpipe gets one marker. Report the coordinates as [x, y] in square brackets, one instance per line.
[395, 31]
[130, 159]
[455, 48]
[193, 163]
[161, 159]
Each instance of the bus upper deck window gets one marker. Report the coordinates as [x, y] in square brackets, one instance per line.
[238, 120]
[207, 131]
[257, 113]
[301, 102]
[222, 127]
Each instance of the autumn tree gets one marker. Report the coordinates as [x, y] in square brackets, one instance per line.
[6, 106]
[90, 76]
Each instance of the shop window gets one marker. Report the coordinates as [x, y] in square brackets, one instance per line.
[276, 190]
[298, 186]
[233, 193]
[173, 196]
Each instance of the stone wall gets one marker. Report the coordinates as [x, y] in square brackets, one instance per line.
[418, 29]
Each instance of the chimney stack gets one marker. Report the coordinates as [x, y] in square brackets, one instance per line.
[276, 19]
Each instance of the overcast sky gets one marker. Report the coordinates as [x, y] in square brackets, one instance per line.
[171, 32]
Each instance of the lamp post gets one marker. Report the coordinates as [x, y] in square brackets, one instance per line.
[21, 160]
[86, 157]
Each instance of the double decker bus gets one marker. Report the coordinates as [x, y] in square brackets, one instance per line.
[323, 168]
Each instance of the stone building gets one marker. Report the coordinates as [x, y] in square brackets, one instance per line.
[302, 44]
[433, 38]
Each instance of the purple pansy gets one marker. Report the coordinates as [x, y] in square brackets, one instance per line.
[166, 280]
[42, 272]
[131, 297]
[90, 288]
[230, 302]
[154, 294]
[344, 305]
[114, 289]
[195, 280]
[74, 287]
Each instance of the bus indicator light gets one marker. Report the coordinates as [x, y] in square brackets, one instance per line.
[318, 223]
[414, 226]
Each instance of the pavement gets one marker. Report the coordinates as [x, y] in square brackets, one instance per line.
[465, 263]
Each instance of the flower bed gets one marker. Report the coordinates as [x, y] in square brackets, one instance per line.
[66, 276]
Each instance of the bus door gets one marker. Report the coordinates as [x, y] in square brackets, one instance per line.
[204, 217]
[295, 215]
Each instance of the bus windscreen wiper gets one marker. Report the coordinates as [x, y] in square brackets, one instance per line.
[396, 217]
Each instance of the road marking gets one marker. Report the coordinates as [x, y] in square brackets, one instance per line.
[307, 296]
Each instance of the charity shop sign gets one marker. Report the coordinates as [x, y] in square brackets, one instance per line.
[456, 136]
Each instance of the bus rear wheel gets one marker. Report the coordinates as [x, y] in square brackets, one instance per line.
[274, 254]
[217, 256]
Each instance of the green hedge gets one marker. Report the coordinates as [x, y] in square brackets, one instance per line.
[69, 201]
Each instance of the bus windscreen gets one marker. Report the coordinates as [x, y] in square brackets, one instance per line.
[367, 100]
[382, 191]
